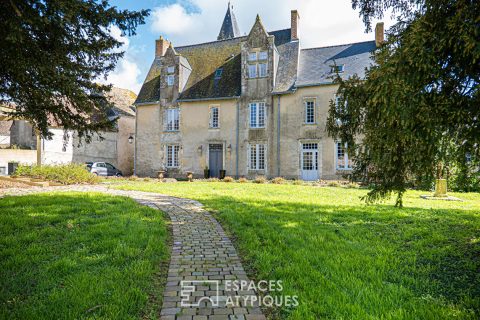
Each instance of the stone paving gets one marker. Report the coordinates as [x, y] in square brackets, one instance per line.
[205, 275]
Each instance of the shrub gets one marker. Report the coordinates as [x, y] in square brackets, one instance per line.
[298, 182]
[242, 180]
[133, 178]
[333, 183]
[278, 180]
[352, 185]
[64, 174]
[228, 179]
[260, 179]
[213, 180]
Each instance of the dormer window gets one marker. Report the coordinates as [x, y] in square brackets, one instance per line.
[338, 68]
[218, 73]
[262, 70]
[170, 80]
[170, 69]
[252, 71]
[263, 55]
[252, 56]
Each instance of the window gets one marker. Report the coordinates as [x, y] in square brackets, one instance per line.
[214, 123]
[257, 115]
[252, 56]
[263, 55]
[172, 156]
[262, 70]
[109, 166]
[218, 73]
[252, 71]
[256, 155]
[343, 161]
[173, 120]
[170, 69]
[338, 69]
[310, 112]
[170, 80]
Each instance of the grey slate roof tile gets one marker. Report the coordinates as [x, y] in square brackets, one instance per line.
[315, 65]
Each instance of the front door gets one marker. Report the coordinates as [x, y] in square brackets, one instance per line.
[309, 161]
[215, 159]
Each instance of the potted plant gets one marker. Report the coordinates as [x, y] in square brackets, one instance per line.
[206, 173]
[222, 174]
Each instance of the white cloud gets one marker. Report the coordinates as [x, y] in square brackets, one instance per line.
[322, 22]
[127, 72]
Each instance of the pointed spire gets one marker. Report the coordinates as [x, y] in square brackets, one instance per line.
[230, 27]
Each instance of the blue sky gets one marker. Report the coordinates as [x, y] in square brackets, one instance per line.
[322, 23]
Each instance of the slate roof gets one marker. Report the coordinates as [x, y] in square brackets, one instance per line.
[230, 27]
[315, 65]
[123, 100]
[296, 67]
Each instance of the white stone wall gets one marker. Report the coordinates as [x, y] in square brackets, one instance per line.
[16, 155]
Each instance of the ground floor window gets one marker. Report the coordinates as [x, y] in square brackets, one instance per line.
[343, 161]
[172, 156]
[256, 155]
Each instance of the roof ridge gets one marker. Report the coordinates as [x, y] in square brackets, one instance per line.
[224, 40]
[337, 45]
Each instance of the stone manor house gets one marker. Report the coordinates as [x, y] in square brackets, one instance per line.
[250, 105]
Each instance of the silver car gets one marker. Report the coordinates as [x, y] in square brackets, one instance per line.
[105, 169]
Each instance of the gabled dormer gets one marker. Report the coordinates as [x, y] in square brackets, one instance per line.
[259, 56]
[175, 71]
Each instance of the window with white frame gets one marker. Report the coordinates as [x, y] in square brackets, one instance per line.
[338, 68]
[262, 70]
[310, 111]
[170, 69]
[252, 56]
[214, 117]
[173, 119]
[256, 157]
[262, 55]
[257, 115]
[252, 71]
[343, 161]
[172, 156]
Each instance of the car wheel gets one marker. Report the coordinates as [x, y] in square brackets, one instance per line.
[119, 175]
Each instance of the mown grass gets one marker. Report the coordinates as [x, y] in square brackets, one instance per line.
[348, 260]
[80, 256]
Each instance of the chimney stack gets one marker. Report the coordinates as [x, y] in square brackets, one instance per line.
[295, 21]
[379, 34]
[161, 46]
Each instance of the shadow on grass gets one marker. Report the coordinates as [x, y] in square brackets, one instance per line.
[77, 255]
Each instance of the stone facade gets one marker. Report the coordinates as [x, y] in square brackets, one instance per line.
[288, 83]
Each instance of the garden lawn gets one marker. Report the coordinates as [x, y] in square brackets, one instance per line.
[80, 256]
[345, 259]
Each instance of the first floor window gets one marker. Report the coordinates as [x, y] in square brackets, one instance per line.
[310, 112]
[214, 122]
[257, 115]
[343, 161]
[256, 155]
[173, 119]
[172, 156]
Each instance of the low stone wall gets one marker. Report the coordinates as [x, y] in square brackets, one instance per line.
[16, 155]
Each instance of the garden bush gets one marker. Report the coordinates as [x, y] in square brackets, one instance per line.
[228, 179]
[65, 174]
[297, 182]
[260, 179]
[278, 180]
[242, 180]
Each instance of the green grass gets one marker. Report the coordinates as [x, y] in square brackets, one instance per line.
[80, 256]
[348, 260]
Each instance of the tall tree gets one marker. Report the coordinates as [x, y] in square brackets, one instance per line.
[419, 104]
[52, 53]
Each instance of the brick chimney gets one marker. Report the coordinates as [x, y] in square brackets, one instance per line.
[295, 21]
[379, 34]
[161, 46]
